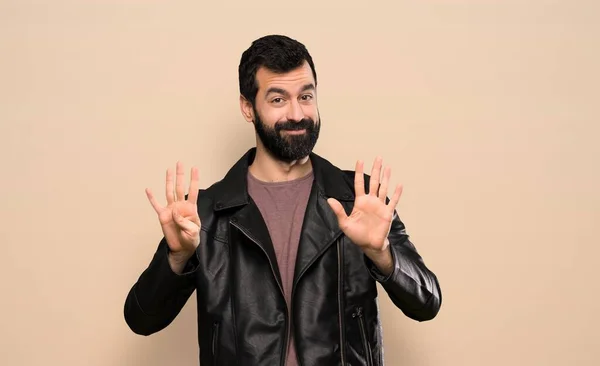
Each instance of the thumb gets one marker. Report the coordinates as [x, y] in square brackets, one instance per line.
[183, 223]
[338, 209]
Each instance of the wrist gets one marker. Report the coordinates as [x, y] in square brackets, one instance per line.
[178, 260]
[382, 259]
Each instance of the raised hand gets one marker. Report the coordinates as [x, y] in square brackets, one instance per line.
[369, 223]
[179, 218]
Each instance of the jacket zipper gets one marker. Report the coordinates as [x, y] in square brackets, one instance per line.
[287, 316]
[215, 340]
[341, 306]
[363, 334]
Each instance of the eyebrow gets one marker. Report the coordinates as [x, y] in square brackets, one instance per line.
[276, 90]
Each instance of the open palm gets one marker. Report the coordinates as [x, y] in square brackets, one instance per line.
[369, 223]
[179, 219]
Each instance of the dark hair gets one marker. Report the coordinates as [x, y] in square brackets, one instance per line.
[277, 53]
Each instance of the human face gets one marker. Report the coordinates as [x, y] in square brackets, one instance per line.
[285, 114]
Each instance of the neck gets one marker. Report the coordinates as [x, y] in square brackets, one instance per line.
[267, 168]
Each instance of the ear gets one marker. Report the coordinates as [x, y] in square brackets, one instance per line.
[247, 110]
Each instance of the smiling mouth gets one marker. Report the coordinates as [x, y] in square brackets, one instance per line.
[295, 132]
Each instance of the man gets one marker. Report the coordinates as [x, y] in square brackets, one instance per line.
[286, 250]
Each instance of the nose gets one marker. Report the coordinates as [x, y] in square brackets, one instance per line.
[295, 112]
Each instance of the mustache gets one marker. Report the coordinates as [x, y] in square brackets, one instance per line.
[291, 125]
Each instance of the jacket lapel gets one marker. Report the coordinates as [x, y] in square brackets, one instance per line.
[251, 223]
[231, 193]
[320, 228]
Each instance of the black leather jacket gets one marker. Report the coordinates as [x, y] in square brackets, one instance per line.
[242, 315]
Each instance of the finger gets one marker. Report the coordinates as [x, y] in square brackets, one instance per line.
[196, 220]
[169, 187]
[179, 175]
[396, 197]
[384, 184]
[375, 176]
[338, 209]
[157, 207]
[194, 184]
[359, 179]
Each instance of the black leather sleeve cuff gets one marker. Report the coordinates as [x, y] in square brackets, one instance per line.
[159, 282]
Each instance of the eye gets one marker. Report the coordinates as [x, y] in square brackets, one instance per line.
[277, 100]
[306, 97]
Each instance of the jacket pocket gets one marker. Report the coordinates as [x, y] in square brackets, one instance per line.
[358, 314]
[215, 343]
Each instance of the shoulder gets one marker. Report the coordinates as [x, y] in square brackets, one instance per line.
[334, 174]
[206, 202]
[351, 176]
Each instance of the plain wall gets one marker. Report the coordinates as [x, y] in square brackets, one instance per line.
[487, 112]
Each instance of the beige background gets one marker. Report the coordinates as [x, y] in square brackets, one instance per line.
[487, 111]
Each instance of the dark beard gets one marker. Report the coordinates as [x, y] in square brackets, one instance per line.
[291, 147]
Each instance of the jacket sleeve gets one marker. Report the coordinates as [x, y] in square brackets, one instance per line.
[159, 293]
[411, 286]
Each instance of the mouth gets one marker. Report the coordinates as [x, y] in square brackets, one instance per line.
[294, 132]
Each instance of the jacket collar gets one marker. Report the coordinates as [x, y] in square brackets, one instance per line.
[320, 228]
[232, 190]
